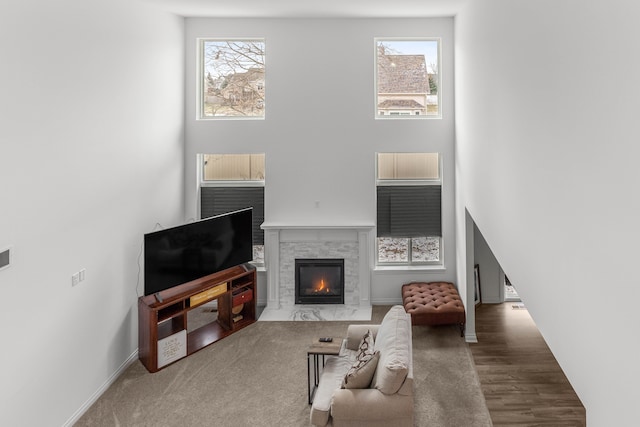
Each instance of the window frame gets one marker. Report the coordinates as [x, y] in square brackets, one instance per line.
[411, 115]
[200, 76]
[409, 264]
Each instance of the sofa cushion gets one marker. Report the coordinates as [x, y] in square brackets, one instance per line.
[393, 343]
[330, 380]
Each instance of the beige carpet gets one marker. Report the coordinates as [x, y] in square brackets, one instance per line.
[257, 377]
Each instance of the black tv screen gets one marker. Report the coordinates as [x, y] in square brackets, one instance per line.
[187, 252]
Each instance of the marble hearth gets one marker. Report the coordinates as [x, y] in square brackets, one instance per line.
[285, 243]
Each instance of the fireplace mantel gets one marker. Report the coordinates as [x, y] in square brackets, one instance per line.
[284, 241]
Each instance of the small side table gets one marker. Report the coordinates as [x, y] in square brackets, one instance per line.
[315, 350]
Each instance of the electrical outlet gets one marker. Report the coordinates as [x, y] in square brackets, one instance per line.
[81, 274]
[75, 279]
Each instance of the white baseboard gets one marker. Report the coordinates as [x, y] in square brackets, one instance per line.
[95, 396]
[386, 301]
[472, 338]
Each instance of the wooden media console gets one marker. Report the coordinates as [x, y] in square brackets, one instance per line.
[163, 336]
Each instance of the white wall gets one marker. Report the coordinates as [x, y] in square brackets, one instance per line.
[319, 135]
[91, 147]
[547, 150]
[491, 278]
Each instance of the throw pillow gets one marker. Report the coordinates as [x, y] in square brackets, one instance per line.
[366, 345]
[361, 373]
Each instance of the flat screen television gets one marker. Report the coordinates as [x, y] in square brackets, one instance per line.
[187, 252]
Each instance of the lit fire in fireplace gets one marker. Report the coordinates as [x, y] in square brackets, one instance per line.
[319, 281]
[321, 286]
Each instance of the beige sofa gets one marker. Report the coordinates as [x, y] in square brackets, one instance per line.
[388, 399]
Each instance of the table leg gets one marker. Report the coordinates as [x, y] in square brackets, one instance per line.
[316, 374]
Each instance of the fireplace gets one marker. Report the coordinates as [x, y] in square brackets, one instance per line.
[319, 281]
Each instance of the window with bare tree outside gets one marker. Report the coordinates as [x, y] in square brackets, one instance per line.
[408, 78]
[232, 78]
[409, 218]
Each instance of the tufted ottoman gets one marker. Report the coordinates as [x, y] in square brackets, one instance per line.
[433, 303]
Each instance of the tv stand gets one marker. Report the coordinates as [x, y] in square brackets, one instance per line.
[162, 317]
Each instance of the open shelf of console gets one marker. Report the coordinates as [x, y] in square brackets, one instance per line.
[163, 335]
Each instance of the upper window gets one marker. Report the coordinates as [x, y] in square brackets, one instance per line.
[230, 182]
[408, 78]
[409, 218]
[232, 78]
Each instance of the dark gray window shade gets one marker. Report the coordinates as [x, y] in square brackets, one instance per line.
[219, 200]
[409, 211]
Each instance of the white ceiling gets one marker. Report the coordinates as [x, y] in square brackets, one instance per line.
[310, 9]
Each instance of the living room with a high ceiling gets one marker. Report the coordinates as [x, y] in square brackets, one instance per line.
[104, 137]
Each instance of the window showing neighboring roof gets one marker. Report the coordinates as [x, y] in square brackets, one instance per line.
[232, 76]
[407, 78]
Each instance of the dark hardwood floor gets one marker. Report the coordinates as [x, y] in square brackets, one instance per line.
[520, 378]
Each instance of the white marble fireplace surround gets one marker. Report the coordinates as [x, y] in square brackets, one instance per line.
[284, 243]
